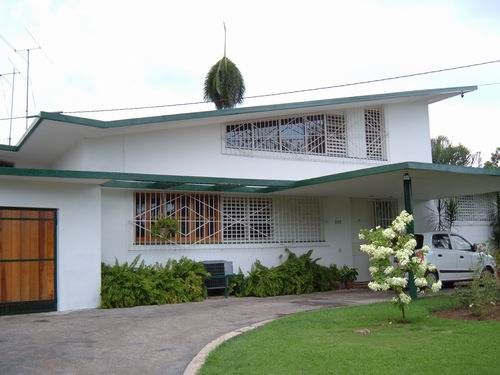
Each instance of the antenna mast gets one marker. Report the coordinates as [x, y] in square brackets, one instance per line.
[11, 100]
[27, 50]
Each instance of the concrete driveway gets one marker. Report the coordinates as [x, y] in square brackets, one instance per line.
[142, 340]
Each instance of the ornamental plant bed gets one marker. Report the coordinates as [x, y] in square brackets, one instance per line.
[464, 313]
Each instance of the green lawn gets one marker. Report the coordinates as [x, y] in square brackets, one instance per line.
[323, 342]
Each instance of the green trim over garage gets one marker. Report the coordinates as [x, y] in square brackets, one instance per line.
[139, 181]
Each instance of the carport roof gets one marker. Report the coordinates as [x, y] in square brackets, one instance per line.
[429, 181]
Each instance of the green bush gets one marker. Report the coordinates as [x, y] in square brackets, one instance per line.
[481, 295]
[296, 275]
[135, 284]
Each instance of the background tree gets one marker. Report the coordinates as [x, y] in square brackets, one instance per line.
[494, 161]
[224, 84]
[444, 151]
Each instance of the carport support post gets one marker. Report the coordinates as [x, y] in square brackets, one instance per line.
[410, 229]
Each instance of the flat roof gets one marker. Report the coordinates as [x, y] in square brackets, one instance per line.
[432, 94]
[430, 181]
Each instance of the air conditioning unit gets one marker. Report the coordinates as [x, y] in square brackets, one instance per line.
[218, 269]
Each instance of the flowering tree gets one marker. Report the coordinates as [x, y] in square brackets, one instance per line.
[392, 258]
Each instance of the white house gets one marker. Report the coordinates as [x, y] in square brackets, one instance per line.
[244, 184]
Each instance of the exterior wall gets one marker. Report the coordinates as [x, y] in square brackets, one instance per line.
[117, 238]
[78, 235]
[197, 151]
[407, 126]
[475, 232]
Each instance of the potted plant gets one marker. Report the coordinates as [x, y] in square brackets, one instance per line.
[165, 228]
[348, 276]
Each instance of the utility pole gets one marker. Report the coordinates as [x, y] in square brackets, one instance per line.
[27, 50]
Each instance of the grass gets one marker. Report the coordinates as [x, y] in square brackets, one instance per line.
[323, 342]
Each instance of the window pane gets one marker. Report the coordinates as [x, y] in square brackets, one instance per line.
[459, 243]
[374, 134]
[336, 135]
[293, 135]
[315, 128]
[441, 241]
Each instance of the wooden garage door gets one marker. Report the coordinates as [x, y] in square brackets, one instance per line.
[27, 260]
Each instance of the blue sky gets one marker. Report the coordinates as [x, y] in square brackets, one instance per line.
[102, 54]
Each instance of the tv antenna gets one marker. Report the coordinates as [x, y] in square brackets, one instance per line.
[27, 50]
[13, 74]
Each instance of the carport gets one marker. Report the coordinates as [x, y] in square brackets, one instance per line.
[409, 182]
[66, 269]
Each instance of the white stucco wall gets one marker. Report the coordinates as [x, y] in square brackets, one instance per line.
[117, 238]
[197, 151]
[78, 235]
[407, 126]
[475, 232]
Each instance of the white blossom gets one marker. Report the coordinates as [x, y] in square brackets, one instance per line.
[404, 298]
[361, 236]
[436, 286]
[389, 270]
[397, 281]
[421, 282]
[373, 269]
[411, 244]
[389, 233]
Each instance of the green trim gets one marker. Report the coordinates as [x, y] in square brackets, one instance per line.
[405, 166]
[75, 120]
[139, 177]
[234, 185]
[26, 219]
[27, 260]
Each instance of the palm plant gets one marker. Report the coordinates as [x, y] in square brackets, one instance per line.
[224, 84]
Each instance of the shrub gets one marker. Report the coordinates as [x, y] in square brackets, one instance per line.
[392, 257]
[481, 295]
[135, 284]
[263, 281]
[295, 275]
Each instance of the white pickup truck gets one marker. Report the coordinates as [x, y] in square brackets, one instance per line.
[455, 258]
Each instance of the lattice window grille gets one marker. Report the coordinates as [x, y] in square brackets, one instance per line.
[215, 219]
[336, 138]
[247, 219]
[198, 216]
[323, 135]
[475, 207]
[384, 212]
[375, 137]
[297, 220]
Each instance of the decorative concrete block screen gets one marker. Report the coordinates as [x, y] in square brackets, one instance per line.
[475, 208]
[355, 134]
[231, 219]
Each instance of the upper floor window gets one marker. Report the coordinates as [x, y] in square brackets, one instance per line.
[324, 135]
[374, 130]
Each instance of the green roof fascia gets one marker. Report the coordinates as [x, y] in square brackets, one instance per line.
[60, 117]
[56, 116]
[405, 166]
[188, 187]
[147, 178]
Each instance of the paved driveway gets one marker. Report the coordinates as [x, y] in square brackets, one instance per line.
[141, 340]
